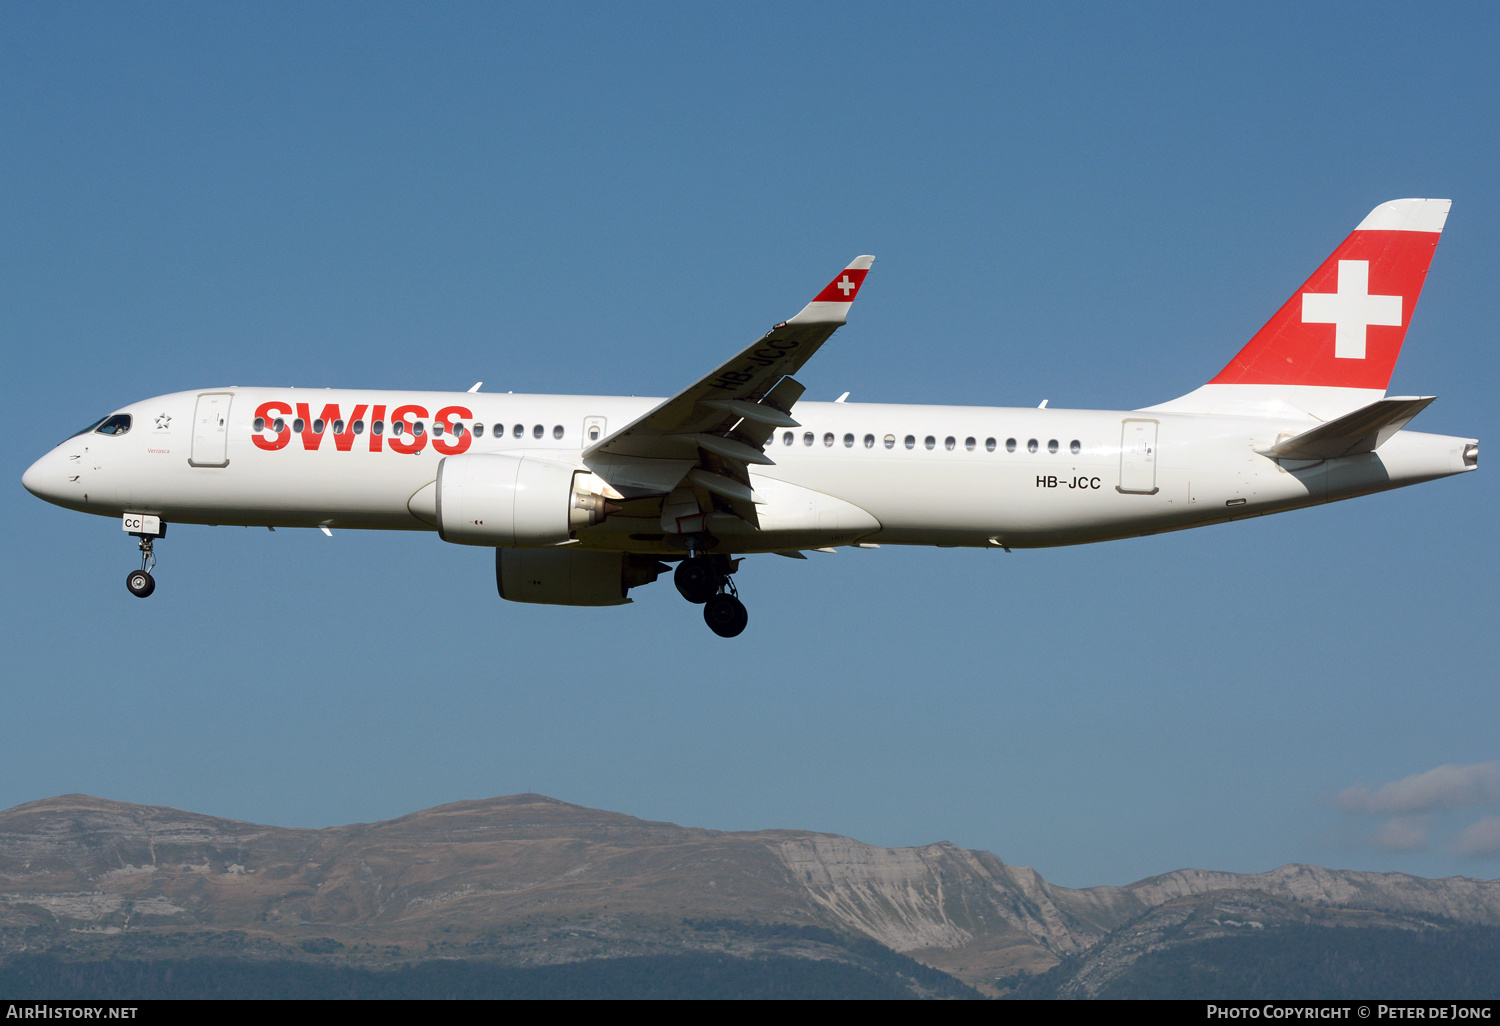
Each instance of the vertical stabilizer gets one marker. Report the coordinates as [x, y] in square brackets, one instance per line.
[1333, 345]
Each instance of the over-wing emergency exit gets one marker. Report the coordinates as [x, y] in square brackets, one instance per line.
[584, 498]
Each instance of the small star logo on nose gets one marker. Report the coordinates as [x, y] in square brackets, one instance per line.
[163, 421]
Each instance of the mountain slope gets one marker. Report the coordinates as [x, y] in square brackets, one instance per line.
[527, 880]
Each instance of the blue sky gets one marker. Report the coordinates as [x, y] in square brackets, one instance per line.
[1094, 205]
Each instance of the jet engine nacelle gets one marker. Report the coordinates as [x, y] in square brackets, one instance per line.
[572, 576]
[515, 501]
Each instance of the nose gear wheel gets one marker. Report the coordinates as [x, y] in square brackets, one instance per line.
[140, 583]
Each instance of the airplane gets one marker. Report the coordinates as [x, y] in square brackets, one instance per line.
[584, 498]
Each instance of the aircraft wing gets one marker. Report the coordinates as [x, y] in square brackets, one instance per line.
[719, 425]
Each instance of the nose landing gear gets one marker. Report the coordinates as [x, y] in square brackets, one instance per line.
[140, 582]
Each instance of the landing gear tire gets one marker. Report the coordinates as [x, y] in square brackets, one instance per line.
[725, 616]
[140, 583]
[697, 580]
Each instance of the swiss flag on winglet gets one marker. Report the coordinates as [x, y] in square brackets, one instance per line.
[832, 305]
[842, 289]
[1344, 327]
[845, 287]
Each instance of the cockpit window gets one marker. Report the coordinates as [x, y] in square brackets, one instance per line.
[86, 430]
[116, 425]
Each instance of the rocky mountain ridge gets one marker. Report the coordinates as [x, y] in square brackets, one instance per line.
[528, 880]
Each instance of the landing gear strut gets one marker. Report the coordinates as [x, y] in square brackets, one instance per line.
[140, 582]
[707, 581]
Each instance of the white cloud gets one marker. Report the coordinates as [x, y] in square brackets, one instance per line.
[1403, 833]
[1445, 787]
[1480, 840]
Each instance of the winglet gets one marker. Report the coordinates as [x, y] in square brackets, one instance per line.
[832, 304]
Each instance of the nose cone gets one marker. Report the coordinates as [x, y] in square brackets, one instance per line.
[45, 477]
[32, 479]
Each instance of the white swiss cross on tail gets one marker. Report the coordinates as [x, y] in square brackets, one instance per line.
[845, 285]
[1351, 309]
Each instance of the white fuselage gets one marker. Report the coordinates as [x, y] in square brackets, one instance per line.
[846, 474]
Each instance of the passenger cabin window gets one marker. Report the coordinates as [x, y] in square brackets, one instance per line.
[359, 427]
[786, 438]
[929, 441]
[869, 441]
[116, 425]
[989, 445]
[338, 427]
[828, 438]
[911, 441]
[419, 428]
[969, 443]
[376, 428]
[260, 424]
[557, 431]
[437, 429]
[1031, 445]
[398, 428]
[317, 425]
[478, 430]
[949, 443]
[890, 441]
[1052, 445]
[536, 432]
[1010, 445]
[594, 434]
[458, 430]
[519, 431]
[298, 425]
[1075, 447]
[807, 438]
[848, 441]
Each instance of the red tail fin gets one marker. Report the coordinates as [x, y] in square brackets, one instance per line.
[1345, 326]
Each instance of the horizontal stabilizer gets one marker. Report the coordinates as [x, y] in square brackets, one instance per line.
[1364, 430]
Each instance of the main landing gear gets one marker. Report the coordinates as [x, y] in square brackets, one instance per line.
[708, 581]
[140, 582]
